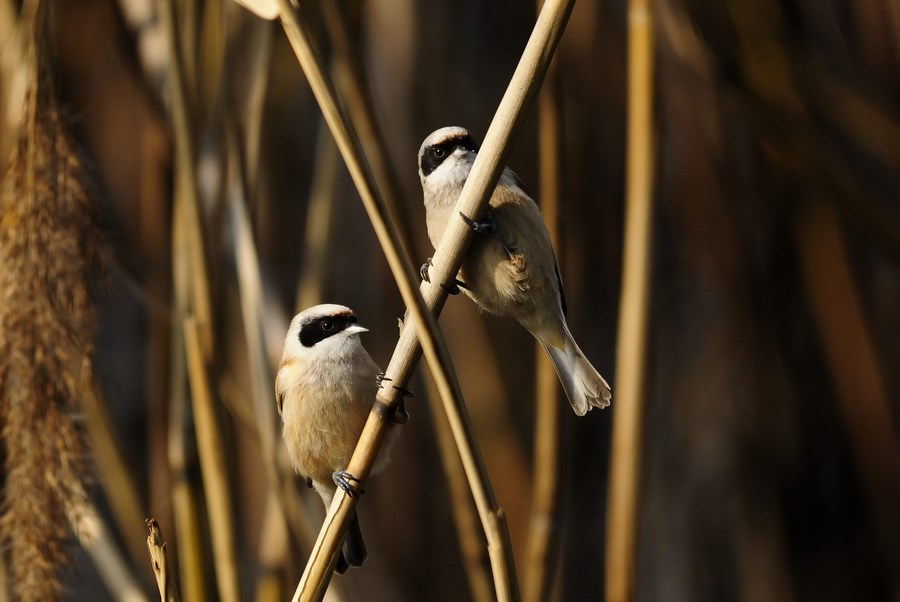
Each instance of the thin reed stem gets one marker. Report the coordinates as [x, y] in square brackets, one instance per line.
[184, 491]
[190, 286]
[118, 482]
[543, 529]
[95, 538]
[212, 464]
[633, 309]
[471, 540]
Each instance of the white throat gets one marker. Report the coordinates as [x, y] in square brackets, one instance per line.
[441, 187]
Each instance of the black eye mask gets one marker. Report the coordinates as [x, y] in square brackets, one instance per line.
[319, 329]
[435, 154]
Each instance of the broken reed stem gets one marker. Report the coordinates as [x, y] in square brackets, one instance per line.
[156, 547]
[212, 464]
[446, 262]
[631, 344]
[543, 529]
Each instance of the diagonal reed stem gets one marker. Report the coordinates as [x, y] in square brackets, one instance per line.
[633, 308]
[315, 580]
[446, 262]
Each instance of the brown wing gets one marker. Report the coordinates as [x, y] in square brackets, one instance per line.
[562, 294]
[279, 393]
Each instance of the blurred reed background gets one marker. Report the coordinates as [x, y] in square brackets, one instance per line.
[770, 466]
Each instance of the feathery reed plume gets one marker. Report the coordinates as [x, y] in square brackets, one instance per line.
[48, 249]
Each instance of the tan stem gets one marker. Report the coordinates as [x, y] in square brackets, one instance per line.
[212, 464]
[632, 335]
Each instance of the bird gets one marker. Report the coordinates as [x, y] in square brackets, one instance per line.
[325, 387]
[510, 269]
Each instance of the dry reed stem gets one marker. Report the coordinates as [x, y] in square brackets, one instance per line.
[185, 175]
[850, 350]
[115, 474]
[212, 464]
[191, 297]
[543, 529]
[282, 510]
[315, 578]
[184, 494]
[250, 291]
[625, 459]
[471, 540]
[159, 563]
[259, 48]
[272, 552]
[94, 537]
[263, 416]
[319, 223]
[348, 77]
[447, 260]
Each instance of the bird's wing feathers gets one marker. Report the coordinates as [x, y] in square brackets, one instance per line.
[279, 392]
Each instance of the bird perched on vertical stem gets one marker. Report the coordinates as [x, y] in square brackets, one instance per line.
[325, 388]
[510, 269]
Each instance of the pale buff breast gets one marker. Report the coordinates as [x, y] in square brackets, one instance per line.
[321, 428]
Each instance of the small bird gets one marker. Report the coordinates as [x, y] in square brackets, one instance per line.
[510, 269]
[325, 388]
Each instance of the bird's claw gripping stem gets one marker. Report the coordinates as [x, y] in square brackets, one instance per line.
[452, 288]
[400, 415]
[485, 226]
[345, 481]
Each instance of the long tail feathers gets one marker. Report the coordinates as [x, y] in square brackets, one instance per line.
[354, 546]
[353, 552]
[583, 385]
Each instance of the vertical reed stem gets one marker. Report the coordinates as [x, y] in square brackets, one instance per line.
[633, 309]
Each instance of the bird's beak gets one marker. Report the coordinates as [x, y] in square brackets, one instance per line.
[356, 329]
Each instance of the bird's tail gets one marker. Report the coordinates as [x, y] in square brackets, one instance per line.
[583, 385]
[354, 551]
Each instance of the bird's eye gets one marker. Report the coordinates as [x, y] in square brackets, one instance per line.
[438, 152]
[327, 325]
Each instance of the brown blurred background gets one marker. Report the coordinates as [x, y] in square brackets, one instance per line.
[770, 468]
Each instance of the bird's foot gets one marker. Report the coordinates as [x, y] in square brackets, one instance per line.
[400, 415]
[488, 226]
[451, 288]
[485, 226]
[423, 271]
[345, 481]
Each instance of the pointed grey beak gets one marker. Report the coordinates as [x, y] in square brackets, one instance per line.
[356, 329]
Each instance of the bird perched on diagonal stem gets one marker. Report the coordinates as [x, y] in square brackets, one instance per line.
[325, 388]
[510, 269]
